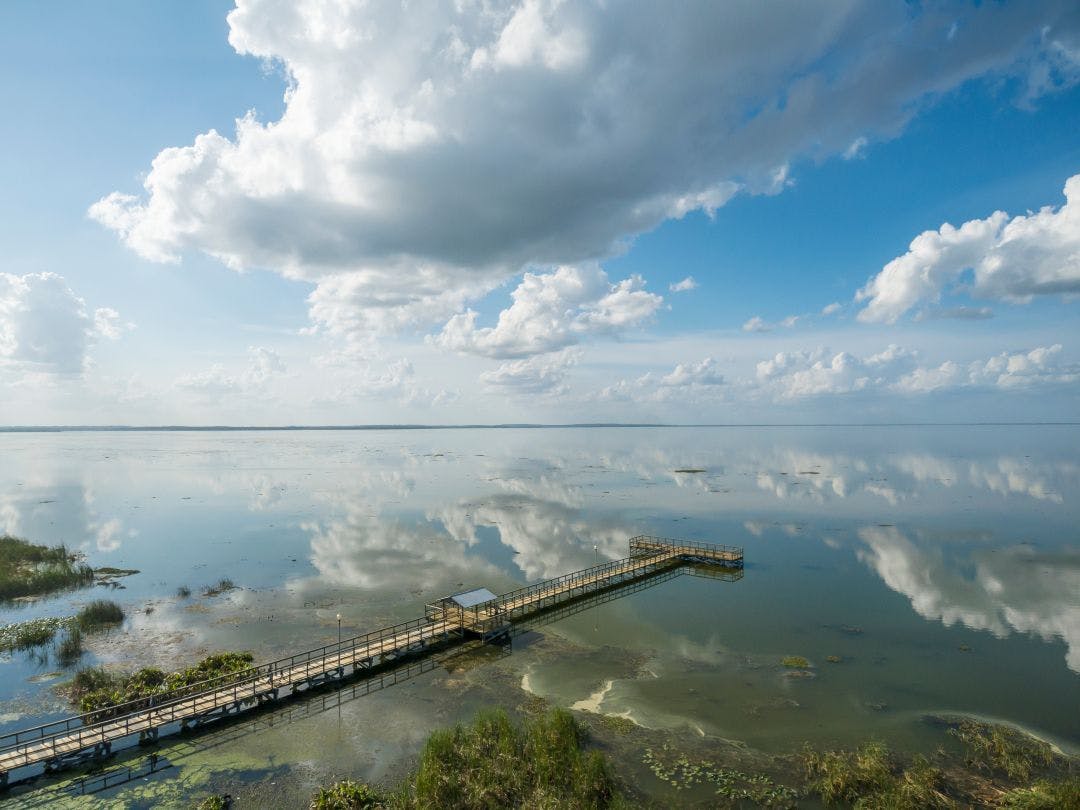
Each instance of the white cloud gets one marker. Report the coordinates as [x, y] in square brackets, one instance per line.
[794, 375]
[831, 309]
[757, 324]
[45, 327]
[542, 374]
[703, 373]
[856, 149]
[1011, 260]
[217, 382]
[552, 311]
[685, 285]
[431, 150]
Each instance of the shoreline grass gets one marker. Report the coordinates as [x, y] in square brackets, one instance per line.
[27, 569]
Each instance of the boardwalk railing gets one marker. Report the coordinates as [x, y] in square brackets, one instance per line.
[99, 728]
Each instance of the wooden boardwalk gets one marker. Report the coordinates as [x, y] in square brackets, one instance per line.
[54, 744]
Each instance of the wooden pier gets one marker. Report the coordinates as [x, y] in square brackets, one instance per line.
[475, 614]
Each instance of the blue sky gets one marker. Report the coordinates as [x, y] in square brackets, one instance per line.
[483, 214]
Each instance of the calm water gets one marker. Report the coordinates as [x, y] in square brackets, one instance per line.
[941, 564]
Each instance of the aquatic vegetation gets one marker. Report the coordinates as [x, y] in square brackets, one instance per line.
[30, 634]
[223, 585]
[214, 803]
[1045, 795]
[495, 763]
[32, 570]
[99, 613]
[348, 795]
[108, 572]
[70, 649]
[795, 661]
[869, 777]
[731, 785]
[834, 659]
[1003, 749]
[617, 724]
[183, 592]
[690, 470]
[97, 691]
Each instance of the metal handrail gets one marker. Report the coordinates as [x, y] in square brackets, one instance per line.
[217, 684]
[90, 727]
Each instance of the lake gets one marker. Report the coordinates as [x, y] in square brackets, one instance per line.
[921, 571]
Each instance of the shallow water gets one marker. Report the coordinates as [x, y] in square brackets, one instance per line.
[941, 565]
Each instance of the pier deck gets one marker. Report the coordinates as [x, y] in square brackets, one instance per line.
[54, 744]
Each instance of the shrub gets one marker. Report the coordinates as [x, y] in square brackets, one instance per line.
[347, 795]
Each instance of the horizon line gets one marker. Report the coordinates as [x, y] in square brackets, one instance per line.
[499, 426]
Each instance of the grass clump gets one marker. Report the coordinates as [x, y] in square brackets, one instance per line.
[495, 763]
[348, 795]
[214, 803]
[795, 662]
[97, 692]
[1003, 749]
[1044, 795]
[70, 649]
[223, 585]
[868, 777]
[31, 570]
[184, 592]
[99, 613]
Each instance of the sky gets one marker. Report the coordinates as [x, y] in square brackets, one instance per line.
[344, 212]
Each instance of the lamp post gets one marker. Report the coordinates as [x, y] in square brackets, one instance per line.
[339, 629]
[596, 554]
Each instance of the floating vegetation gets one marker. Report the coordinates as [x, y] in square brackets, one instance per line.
[834, 659]
[223, 585]
[795, 662]
[98, 614]
[31, 570]
[222, 803]
[615, 723]
[682, 773]
[1003, 749]
[183, 592]
[108, 572]
[30, 634]
[690, 470]
[97, 691]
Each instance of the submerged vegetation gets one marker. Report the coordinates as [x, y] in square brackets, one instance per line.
[97, 691]
[31, 570]
[1003, 749]
[795, 662]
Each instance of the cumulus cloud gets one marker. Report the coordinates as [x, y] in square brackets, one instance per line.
[45, 326]
[793, 375]
[217, 382]
[685, 285]
[429, 151]
[687, 382]
[552, 311]
[1010, 259]
[542, 374]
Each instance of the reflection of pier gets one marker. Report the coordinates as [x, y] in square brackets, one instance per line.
[477, 614]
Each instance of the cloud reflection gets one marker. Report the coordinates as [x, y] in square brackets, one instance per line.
[1015, 589]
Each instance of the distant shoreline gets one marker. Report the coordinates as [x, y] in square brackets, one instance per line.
[506, 426]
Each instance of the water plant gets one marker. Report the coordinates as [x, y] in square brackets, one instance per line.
[221, 586]
[183, 592]
[795, 662]
[494, 763]
[27, 569]
[1044, 795]
[70, 649]
[30, 634]
[730, 785]
[97, 692]
[348, 795]
[869, 777]
[98, 614]
[1000, 748]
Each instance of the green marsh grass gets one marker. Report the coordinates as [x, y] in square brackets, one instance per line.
[98, 614]
[31, 570]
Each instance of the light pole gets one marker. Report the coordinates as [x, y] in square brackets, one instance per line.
[339, 629]
[596, 554]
